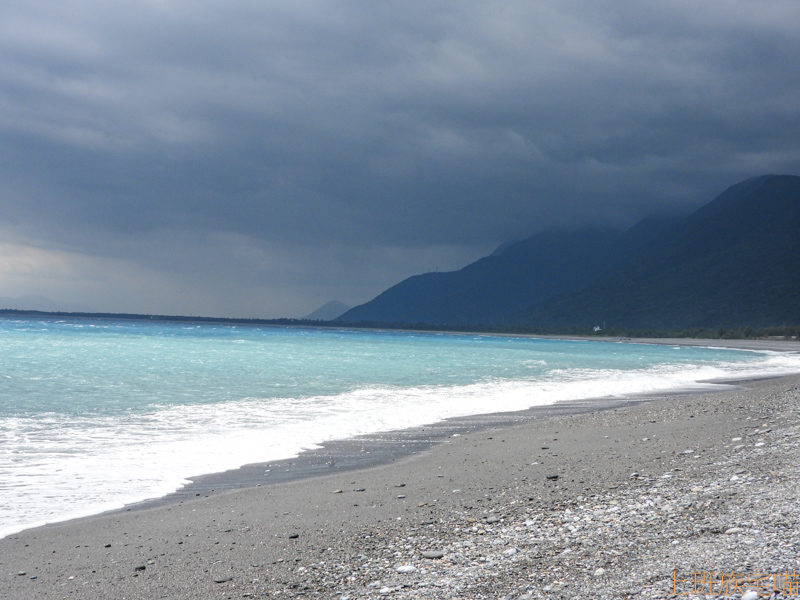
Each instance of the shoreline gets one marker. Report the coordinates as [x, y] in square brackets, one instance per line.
[345, 455]
[241, 543]
[385, 447]
[379, 448]
[388, 446]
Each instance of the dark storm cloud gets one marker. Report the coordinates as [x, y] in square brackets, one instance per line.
[349, 127]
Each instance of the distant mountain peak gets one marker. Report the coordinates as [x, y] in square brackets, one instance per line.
[328, 311]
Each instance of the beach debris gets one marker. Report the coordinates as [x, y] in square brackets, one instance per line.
[22, 573]
[552, 477]
[402, 496]
[140, 567]
[406, 569]
[400, 485]
[433, 554]
[361, 490]
[107, 546]
[338, 491]
[223, 579]
[294, 536]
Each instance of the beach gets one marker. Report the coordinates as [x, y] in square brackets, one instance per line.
[649, 498]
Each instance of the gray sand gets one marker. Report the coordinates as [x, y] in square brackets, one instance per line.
[482, 497]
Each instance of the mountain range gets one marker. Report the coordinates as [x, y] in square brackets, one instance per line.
[734, 262]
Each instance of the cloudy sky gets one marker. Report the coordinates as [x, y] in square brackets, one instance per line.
[258, 158]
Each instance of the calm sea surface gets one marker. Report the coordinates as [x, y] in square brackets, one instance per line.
[95, 414]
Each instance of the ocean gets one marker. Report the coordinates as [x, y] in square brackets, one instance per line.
[97, 414]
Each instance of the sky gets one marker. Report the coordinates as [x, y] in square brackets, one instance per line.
[259, 158]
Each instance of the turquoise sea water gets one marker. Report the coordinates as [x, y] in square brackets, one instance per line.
[95, 414]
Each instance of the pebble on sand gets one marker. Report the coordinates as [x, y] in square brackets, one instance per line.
[734, 530]
[433, 554]
[406, 569]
